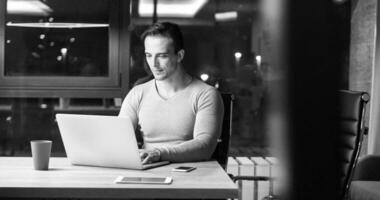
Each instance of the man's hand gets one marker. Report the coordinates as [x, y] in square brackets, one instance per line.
[149, 156]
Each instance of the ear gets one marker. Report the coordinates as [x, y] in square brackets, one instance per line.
[180, 55]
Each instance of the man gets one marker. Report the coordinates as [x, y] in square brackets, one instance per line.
[180, 117]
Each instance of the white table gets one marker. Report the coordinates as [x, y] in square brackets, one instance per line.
[63, 180]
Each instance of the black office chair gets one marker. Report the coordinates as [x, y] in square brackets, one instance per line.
[221, 151]
[351, 113]
[352, 128]
[367, 169]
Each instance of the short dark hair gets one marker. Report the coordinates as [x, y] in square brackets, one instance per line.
[165, 29]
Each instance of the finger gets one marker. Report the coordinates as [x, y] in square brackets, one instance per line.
[143, 154]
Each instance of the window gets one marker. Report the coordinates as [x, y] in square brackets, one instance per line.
[61, 48]
[226, 46]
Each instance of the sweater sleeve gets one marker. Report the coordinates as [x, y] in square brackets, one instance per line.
[130, 106]
[207, 129]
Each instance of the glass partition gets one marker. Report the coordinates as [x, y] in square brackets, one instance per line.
[96, 43]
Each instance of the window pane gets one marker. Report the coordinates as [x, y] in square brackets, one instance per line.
[226, 45]
[55, 38]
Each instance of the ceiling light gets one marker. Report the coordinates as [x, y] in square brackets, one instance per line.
[258, 60]
[238, 55]
[28, 7]
[170, 8]
[57, 25]
[226, 16]
[204, 77]
[64, 51]
[217, 85]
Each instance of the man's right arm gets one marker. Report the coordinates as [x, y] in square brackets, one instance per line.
[130, 106]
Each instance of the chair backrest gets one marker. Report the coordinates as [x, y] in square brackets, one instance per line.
[352, 113]
[222, 148]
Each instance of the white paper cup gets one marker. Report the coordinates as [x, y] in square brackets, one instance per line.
[41, 153]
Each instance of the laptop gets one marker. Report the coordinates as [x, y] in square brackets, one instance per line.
[104, 141]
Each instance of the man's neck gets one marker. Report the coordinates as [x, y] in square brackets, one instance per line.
[169, 87]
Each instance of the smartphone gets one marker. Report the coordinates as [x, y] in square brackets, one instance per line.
[183, 169]
[144, 180]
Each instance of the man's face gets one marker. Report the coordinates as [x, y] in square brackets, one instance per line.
[161, 57]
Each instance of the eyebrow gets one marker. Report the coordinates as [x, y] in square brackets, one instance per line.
[158, 53]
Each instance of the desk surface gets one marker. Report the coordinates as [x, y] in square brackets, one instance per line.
[19, 179]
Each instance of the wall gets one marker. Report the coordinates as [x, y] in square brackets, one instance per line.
[362, 49]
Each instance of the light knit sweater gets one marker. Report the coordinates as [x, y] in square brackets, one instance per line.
[184, 127]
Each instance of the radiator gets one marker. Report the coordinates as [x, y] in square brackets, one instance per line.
[254, 166]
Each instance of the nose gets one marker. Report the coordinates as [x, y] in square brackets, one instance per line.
[156, 63]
